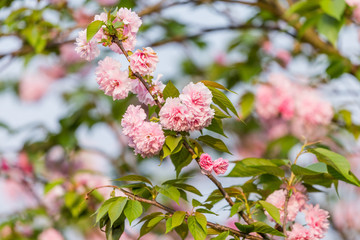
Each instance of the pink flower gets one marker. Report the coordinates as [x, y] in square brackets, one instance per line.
[206, 162]
[149, 139]
[82, 17]
[220, 166]
[68, 54]
[317, 220]
[202, 118]
[54, 72]
[276, 98]
[352, 3]
[198, 98]
[299, 232]
[312, 108]
[112, 80]
[174, 115]
[33, 86]
[144, 61]
[284, 56]
[107, 2]
[295, 205]
[267, 46]
[142, 93]
[196, 95]
[133, 119]
[130, 19]
[86, 50]
[52, 234]
[24, 163]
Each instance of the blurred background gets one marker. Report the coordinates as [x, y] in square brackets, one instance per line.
[60, 136]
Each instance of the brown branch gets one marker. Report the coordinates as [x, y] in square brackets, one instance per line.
[309, 36]
[287, 198]
[155, 203]
[183, 38]
[141, 79]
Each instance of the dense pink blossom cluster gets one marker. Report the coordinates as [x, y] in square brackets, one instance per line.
[86, 50]
[190, 111]
[144, 61]
[143, 94]
[316, 218]
[132, 22]
[112, 80]
[219, 166]
[300, 107]
[147, 138]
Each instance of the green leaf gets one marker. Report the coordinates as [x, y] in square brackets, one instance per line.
[215, 143]
[314, 169]
[201, 219]
[170, 91]
[272, 210]
[196, 203]
[329, 27]
[303, 6]
[188, 188]
[134, 178]
[181, 159]
[245, 228]
[52, 184]
[256, 166]
[93, 28]
[172, 142]
[222, 101]
[237, 207]
[133, 210]
[182, 230]
[334, 8]
[149, 225]
[218, 113]
[221, 236]
[259, 227]
[216, 126]
[196, 229]
[204, 210]
[116, 208]
[177, 219]
[170, 192]
[215, 85]
[339, 163]
[104, 208]
[247, 104]
[115, 232]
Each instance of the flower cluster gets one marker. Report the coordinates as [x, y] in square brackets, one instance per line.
[131, 23]
[302, 107]
[219, 166]
[190, 111]
[112, 80]
[144, 61]
[316, 218]
[147, 138]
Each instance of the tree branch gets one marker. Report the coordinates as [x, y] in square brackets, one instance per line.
[224, 28]
[155, 203]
